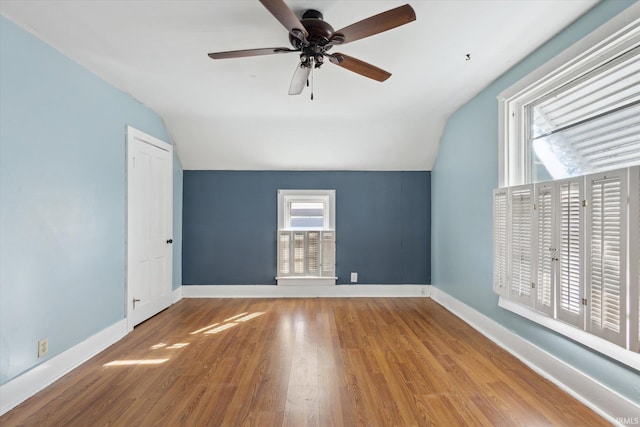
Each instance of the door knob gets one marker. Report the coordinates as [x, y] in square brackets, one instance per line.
[170, 241]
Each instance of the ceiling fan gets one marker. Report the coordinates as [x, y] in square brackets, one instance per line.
[313, 38]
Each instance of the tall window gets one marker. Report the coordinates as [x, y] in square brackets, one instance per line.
[306, 237]
[569, 150]
[578, 114]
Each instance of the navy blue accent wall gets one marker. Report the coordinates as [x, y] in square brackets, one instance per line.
[383, 226]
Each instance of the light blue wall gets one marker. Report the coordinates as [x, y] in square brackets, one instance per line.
[62, 200]
[463, 177]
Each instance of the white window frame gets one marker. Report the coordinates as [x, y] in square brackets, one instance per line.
[610, 40]
[327, 236]
[287, 197]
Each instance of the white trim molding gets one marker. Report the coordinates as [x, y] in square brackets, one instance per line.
[601, 399]
[306, 281]
[601, 345]
[31, 382]
[176, 295]
[304, 291]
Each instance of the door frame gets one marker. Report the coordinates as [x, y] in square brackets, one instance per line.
[133, 134]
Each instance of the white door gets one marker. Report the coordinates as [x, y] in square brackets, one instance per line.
[149, 226]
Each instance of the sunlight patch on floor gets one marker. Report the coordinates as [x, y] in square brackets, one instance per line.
[235, 317]
[250, 316]
[204, 329]
[136, 362]
[228, 323]
[221, 328]
[178, 345]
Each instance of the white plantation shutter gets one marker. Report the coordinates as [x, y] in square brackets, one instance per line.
[328, 253]
[521, 206]
[299, 250]
[284, 249]
[313, 253]
[546, 248]
[500, 241]
[607, 251]
[634, 257]
[570, 257]
[306, 253]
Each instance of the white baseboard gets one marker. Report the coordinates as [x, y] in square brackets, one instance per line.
[176, 295]
[26, 385]
[597, 396]
[306, 291]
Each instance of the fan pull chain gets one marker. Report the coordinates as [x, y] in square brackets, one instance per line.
[312, 84]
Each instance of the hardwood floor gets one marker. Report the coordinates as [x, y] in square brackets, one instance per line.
[298, 362]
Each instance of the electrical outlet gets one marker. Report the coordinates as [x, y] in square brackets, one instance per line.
[354, 277]
[43, 347]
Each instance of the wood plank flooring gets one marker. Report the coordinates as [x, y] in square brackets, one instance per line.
[303, 362]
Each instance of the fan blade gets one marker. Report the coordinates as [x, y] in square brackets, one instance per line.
[377, 24]
[358, 66]
[299, 80]
[287, 18]
[250, 52]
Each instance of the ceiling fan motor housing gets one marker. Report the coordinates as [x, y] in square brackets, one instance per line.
[320, 32]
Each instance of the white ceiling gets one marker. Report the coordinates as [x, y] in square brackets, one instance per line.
[235, 114]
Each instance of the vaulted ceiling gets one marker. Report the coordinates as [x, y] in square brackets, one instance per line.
[235, 114]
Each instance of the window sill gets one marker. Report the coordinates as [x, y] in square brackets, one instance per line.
[306, 280]
[607, 348]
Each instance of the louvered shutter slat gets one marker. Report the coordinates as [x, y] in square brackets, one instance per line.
[570, 257]
[546, 250]
[521, 235]
[607, 272]
[284, 261]
[328, 253]
[313, 253]
[299, 252]
[500, 243]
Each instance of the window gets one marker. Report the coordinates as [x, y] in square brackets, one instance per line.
[306, 215]
[569, 234]
[578, 114]
[589, 125]
[306, 237]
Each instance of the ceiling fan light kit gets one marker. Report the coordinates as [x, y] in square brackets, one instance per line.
[313, 37]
